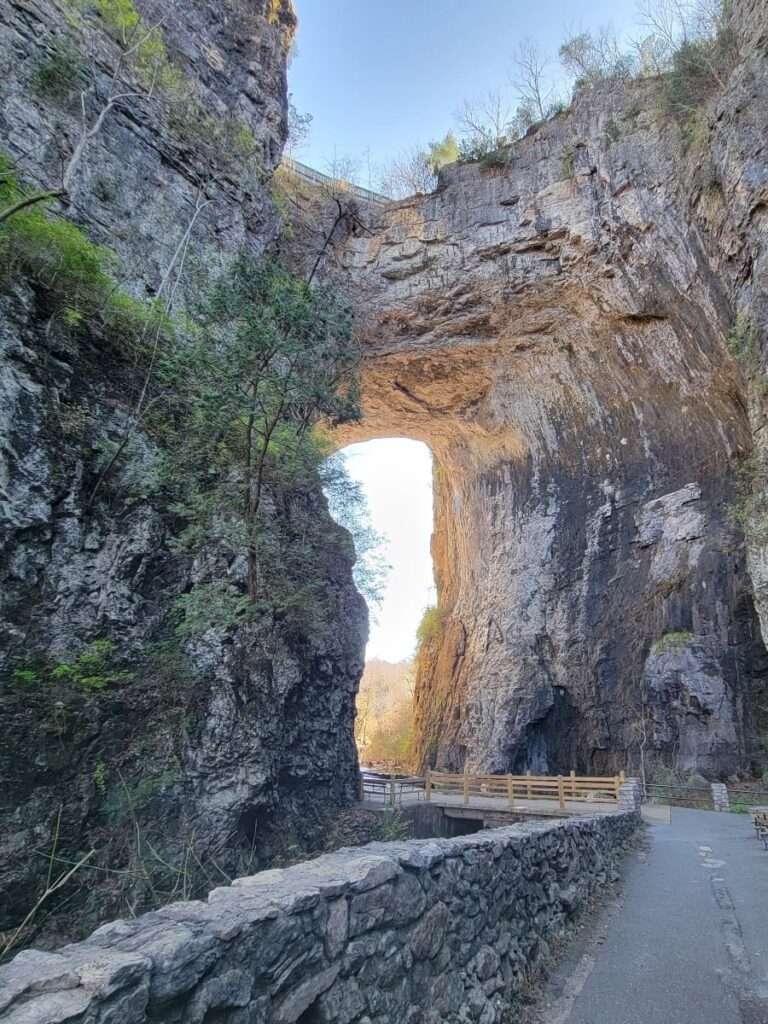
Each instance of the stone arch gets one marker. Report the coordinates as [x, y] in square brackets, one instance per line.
[542, 335]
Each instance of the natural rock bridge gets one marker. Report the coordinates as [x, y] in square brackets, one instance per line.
[555, 330]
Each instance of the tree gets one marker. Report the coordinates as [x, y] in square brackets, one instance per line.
[268, 358]
[299, 126]
[409, 174]
[347, 505]
[443, 152]
[590, 56]
[486, 124]
[531, 79]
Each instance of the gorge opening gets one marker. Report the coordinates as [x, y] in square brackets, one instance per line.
[394, 571]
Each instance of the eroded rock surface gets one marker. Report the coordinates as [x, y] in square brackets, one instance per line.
[190, 758]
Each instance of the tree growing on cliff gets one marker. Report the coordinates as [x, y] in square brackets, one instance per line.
[416, 172]
[267, 358]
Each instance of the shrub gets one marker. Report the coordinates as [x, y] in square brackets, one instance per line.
[699, 68]
[499, 157]
[672, 642]
[744, 346]
[79, 276]
[58, 78]
[91, 670]
[568, 163]
[429, 628]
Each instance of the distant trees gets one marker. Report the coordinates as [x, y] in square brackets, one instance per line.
[685, 43]
[416, 171]
[384, 723]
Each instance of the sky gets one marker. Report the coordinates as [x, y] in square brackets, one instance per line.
[396, 475]
[385, 75]
[380, 76]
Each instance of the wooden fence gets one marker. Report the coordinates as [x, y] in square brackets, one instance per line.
[559, 788]
[510, 788]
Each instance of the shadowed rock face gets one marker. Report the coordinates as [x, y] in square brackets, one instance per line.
[555, 330]
[235, 750]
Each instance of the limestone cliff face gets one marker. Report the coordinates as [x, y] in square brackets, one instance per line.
[192, 756]
[555, 329]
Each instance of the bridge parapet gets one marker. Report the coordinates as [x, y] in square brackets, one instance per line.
[417, 930]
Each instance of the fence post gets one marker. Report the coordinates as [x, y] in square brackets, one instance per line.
[573, 784]
[392, 789]
[466, 787]
[528, 785]
[427, 785]
[511, 790]
[560, 791]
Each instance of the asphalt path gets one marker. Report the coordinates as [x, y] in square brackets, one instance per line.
[686, 939]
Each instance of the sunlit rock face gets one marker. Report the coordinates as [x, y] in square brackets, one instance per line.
[555, 330]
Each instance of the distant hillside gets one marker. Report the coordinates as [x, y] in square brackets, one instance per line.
[384, 724]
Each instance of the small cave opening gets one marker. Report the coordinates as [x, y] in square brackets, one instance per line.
[387, 504]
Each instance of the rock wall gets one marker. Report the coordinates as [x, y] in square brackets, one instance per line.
[191, 757]
[554, 326]
[424, 932]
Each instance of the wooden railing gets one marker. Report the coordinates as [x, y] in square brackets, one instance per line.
[559, 788]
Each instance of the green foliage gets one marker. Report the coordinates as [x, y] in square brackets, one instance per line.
[270, 356]
[740, 806]
[612, 131]
[65, 683]
[27, 676]
[58, 78]
[92, 669]
[499, 157]
[430, 627]
[105, 188]
[219, 142]
[695, 135]
[79, 277]
[750, 510]
[210, 606]
[394, 825]
[672, 642]
[347, 505]
[100, 777]
[744, 346]
[663, 775]
[631, 112]
[442, 152]
[699, 68]
[119, 16]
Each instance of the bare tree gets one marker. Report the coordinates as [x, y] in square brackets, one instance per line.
[688, 35]
[486, 123]
[531, 78]
[590, 56]
[409, 174]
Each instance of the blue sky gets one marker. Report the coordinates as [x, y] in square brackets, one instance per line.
[385, 75]
[388, 74]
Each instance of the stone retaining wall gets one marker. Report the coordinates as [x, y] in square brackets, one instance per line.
[415, 932]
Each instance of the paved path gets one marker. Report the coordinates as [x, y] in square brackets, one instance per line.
[687, 940]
